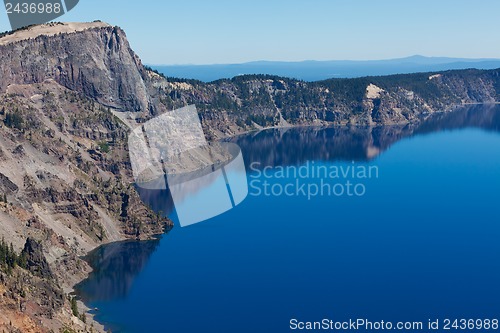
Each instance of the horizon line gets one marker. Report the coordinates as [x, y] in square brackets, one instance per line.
[457, 59]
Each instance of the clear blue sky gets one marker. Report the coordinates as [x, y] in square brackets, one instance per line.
[220, 31]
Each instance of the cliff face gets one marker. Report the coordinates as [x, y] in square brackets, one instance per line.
[65, 176]
[69, 94]
[244, 103]
[92, 58]
[95, 60]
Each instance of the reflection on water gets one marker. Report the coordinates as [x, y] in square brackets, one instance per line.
[278, 147]
[295, 146]
[486, 117]
[115, 267]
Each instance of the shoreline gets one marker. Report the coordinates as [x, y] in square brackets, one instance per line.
[347, 124]
[91, 312]
[86, 308]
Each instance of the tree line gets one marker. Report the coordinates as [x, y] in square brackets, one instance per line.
[9, 259]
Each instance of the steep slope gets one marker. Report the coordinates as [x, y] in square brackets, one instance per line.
[69, 94]
[65, 177]
[95, 59]
[92, 58]
[243, 103]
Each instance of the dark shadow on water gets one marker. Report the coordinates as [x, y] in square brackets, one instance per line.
[295, 146]
[115, 267]
[485, 117]
[279, 147]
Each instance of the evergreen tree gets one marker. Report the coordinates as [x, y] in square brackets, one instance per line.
[74, 306]
[14, 120]
[9, 258]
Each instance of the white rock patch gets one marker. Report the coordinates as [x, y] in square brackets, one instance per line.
[50, 29]
[372, 91]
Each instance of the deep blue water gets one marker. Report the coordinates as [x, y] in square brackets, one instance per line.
[422, 243]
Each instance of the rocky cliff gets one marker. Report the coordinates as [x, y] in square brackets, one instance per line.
[251, 102]
[65, 178]
[69, 94]
[95, 59]
[92, 58]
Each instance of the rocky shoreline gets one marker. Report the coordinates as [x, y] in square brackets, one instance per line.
[69, 95]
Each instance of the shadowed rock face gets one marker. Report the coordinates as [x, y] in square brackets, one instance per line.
[35, 259]
[95, 60]
[6, 186]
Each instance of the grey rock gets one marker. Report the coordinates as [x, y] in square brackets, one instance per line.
[36, 262]
[95, 60]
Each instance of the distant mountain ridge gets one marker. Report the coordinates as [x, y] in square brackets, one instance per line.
[321, 70]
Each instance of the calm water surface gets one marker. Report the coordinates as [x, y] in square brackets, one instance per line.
[422, 243]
